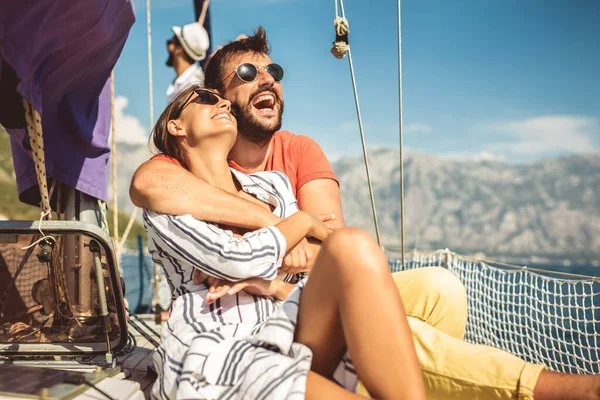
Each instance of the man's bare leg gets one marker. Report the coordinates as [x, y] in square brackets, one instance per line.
[557, 386]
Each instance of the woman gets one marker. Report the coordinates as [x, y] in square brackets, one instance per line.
[265, 338]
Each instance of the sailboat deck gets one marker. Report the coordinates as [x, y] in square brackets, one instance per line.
[136, 364]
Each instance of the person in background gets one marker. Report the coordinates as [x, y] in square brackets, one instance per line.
[187, 46]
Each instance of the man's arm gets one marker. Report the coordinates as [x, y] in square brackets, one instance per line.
[318, 191]
[322, 196]
[169, 189]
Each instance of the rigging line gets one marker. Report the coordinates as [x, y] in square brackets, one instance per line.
[150, 90]
[113, 160]
[522, 268]
[151, 99]
[362, 135]
[203, 12]
[128, 228]
[496, 264]
[33, 121]
[400, 133]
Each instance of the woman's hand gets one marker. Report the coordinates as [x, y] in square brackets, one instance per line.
[301, 257]
[255, 286]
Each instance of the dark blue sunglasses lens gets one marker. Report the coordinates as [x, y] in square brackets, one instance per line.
[275, 71]
[247, 72]
[207, 97]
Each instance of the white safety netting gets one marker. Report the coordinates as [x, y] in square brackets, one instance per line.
[541, 318]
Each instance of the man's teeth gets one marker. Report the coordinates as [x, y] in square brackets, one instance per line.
[268, 98]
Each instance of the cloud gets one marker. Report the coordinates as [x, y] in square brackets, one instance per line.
[129, 129]
[417, 128]
[548, 134]
[349, 126]
[475, 156]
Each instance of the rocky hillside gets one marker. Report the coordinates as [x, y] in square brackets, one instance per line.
[549, 208]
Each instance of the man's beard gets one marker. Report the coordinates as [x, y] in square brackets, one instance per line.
[169, 61]
[254, 129]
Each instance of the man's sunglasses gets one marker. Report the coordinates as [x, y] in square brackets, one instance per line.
[248, 72]
[174, 41]
[204, 96]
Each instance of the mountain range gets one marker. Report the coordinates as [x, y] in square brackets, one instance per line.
[550, 208]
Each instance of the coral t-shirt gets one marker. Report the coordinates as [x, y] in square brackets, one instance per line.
[297, 156]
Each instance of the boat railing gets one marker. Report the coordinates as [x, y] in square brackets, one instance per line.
[544, 317]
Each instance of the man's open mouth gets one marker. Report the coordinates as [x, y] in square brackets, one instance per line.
[264, 102]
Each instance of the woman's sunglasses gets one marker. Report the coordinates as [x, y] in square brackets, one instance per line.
[204, 96]
[248, 72]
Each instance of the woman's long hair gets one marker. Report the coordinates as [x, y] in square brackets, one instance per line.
[163, 141]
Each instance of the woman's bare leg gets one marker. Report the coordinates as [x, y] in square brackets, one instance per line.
[318, 387]
[351, 300]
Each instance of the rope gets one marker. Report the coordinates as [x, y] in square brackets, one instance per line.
[151, 98]
[128, 228]
[113, 160]
[526, 268]
[44, 236]
[34, 130]
[360, 124]
[340, 46]
[150, 90]
[103, 217]
[400, 135]
[202, 16]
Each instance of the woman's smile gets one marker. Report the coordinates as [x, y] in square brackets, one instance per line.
[223, 114]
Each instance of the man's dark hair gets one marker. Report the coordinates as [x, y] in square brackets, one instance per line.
[257, 43]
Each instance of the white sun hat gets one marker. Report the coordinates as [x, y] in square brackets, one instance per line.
[194, 39]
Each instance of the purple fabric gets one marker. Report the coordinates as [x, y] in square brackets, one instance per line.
[63, 52]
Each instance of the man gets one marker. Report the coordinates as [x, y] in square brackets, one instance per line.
[188, 45]
[434, 299]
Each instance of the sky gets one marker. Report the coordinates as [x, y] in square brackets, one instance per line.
[508, 80]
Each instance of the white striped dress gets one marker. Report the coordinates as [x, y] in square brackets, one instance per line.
[241, 346]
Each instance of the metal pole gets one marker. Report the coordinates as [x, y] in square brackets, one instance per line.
[400, 133]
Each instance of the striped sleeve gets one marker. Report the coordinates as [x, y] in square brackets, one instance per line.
[215, 251]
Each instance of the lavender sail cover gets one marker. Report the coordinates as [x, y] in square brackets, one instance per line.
[59, 55]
